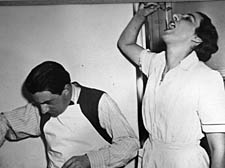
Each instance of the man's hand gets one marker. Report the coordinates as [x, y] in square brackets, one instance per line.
[77, 162]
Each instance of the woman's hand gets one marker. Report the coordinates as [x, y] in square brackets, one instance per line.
[146, 9]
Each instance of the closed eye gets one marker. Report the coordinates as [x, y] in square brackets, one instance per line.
[187, 18]
[49, 102]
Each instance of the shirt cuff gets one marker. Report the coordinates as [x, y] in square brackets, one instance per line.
[96, 159]
[213, 128]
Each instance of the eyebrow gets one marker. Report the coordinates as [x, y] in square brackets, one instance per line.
[47, 101]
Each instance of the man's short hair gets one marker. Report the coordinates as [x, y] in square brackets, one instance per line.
[47, 76]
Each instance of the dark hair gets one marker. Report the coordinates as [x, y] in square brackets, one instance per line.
[47, 76]
[207, 32]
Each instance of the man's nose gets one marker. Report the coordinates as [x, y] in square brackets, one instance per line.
[44, 108]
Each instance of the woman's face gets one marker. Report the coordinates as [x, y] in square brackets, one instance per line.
[182, 28]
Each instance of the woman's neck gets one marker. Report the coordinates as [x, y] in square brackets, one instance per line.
[175, 54]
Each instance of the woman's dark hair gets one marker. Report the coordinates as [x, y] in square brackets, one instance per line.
[47, 76]
[207, 32]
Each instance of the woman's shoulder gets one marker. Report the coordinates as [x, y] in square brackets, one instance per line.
[206, 73]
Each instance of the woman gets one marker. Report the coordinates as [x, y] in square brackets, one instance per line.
[184, 99]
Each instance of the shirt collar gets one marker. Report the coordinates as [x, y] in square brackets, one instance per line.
[189, 61]
[75, 93]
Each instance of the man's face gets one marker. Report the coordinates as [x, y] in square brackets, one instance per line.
[182, 28]
[53, 104]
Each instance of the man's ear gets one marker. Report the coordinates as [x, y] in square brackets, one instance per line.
[66, 89]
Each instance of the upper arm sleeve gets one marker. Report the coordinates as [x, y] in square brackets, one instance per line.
[212, 103]
[23, 122]
[145, 61]
[3, 129]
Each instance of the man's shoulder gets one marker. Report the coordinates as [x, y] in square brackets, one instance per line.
[87, 88]
[89, 94]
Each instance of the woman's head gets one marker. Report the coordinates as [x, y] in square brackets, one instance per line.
[192, 31]
[208, 34]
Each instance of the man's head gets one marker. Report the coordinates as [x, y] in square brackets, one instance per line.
[47, 76]
[49, 85]
[208, 34]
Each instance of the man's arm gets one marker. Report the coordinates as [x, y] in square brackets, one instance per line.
[216, 143]
[125, 143]
[127, 41]
[3, 129]
[19, 123]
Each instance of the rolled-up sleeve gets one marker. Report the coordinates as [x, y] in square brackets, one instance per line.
[147, 61]
[212, 103]
[125, 143]
[22, 122]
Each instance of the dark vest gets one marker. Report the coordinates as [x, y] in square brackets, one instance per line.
[88, 101]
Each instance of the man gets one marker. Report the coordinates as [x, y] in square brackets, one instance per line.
[184, 99]
[83, 127]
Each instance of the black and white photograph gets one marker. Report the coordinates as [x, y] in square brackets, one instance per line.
[112, 84]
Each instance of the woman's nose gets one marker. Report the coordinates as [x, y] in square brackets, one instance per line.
[44, 108]
[176, 17]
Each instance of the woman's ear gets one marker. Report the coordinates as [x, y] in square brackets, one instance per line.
[197, 40]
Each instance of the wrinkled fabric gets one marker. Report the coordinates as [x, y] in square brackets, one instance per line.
[3, 129]
[178, 109]
[25, 122]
